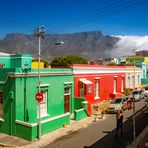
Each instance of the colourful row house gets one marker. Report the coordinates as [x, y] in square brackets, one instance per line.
[99, 84]
[19, 112]
[68, 93]
[142, 62]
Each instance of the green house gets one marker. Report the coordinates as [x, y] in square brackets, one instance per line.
[19, 111]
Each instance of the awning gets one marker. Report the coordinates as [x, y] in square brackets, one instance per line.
[85, 81]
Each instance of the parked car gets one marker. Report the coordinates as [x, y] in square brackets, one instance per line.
[145, 89]
[117, 105]
[136, 95]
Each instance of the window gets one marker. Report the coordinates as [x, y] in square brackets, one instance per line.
[2, 66]
[67, 97]
[96, 89]
[43, 104]
[1, 105]
[115, 85]
[122, 84]
[138, 80]
[144, 74]
[129, 82]
[81, 89]
[133, 81]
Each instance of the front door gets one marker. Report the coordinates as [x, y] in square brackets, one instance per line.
[67, 97]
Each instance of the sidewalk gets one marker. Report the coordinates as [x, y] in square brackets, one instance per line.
[12, 141]
[142, 140]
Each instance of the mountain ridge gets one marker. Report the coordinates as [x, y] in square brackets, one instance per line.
[92, 44]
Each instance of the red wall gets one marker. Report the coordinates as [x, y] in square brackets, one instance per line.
[105, 85]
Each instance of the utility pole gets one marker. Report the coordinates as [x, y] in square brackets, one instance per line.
[134, 127]
[40, 33]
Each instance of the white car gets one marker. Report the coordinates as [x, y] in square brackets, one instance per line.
[135, 95]
[117, 105]
[145, 91]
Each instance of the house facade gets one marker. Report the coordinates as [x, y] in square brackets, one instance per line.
[19, 111]
[99, 83]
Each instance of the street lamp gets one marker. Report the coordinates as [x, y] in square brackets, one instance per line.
[134, 127]
[40, 33]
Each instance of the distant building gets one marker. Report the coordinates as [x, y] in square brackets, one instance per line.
[142, 53]
[35, 64]
[142, 62]
[136, 59]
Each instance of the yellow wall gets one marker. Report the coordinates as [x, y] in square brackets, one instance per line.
[35, 64]
[146, 59]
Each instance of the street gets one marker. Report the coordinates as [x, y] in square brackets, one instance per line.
[101, 133]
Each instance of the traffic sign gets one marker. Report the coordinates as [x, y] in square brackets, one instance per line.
[39, 97]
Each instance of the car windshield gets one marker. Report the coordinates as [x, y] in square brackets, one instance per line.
[117, 101]
[135, 92]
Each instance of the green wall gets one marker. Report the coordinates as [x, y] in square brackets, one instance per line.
[5, 60]
[80, 114]
[19, 101]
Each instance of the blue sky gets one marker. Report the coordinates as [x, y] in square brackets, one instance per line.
[114, 17]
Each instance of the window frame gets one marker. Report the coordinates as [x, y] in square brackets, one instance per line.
[97, 89]
[43, 105]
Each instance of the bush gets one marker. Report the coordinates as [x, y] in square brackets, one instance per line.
[127, 91]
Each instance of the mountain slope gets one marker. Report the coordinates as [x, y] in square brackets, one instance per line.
[88, 44]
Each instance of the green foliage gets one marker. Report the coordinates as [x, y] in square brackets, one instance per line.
[68, 60]
[127, 91]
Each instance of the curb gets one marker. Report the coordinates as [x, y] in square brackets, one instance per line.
[141, 136]
[6, 145]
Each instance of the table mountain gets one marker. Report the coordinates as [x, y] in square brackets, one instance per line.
[88, 44]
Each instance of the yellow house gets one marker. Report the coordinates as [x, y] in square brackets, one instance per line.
[35, 64]
[146, 59]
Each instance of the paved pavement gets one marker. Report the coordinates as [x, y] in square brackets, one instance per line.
[142, 140]
[101, 133]
[74, 127]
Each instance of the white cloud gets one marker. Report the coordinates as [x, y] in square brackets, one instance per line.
[126, 44]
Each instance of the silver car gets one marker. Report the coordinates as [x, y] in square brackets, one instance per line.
[117, 105]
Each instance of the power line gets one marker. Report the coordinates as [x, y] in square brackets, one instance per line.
[105, 12]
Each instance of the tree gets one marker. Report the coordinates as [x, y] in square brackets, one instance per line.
[68, 60]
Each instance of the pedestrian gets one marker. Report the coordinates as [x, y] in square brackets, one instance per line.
[146, 105]
[119, 123]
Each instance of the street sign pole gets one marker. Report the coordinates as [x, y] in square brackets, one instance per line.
[134, 127]
[39, 109]
[40, 34]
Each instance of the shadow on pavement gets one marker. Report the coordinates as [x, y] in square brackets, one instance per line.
[109, 141]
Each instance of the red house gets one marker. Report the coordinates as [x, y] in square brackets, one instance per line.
[97, 83]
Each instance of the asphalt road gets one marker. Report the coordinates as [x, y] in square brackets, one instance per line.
[100, 134]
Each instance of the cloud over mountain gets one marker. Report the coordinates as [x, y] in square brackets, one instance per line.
[126, 44]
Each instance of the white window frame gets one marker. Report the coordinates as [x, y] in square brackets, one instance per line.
[122, 84]
[129, 82]
[133, 81]
[68, 94]
[138, 80]
[115, 86]
[82, 90]
[96, 89]
[43, 105]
